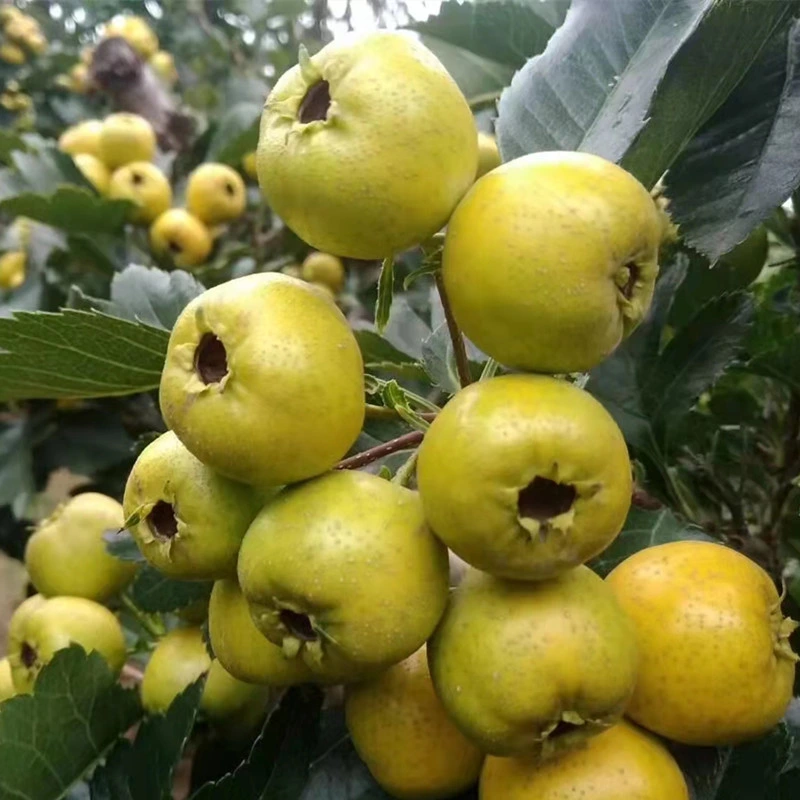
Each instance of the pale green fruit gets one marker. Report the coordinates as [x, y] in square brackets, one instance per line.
[188, 520]
[39, 630]
[7, 689]
[533, 667]
[344, 574]
[263, 380]
[66, 555]
[359, 162]
[241, 647]
[551, 259]
[525, 476]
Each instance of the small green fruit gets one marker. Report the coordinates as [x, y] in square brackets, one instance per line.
[191, 520]
[343, 573]
[533, 668]
[41, 627]
[263, 380]
[524, 476]
[357, 162]
[241, 647]
[66, 555]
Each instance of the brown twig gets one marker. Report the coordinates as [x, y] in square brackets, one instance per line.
[459, 348]
[404, 442]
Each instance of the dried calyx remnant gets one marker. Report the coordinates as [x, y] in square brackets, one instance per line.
[543, 499]
[299, 625]
[162, 520]
[28, 655]
[633, 275]
[316, 103]
[210, 359]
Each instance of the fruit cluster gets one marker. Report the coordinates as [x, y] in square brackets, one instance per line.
[21, 35]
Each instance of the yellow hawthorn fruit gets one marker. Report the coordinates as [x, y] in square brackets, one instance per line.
[163, 65]
[82, 138]
[403, 734]
[716, 664]
[66, 555]
[7, 689]
[136, 32]
[488, 154]
[324, 268]
[12, 53]
[624, 763]
[94, 170]
[249, 165]
[36, 42]
[79, 79]
[215, 193]
[550, 260]
[12, 270]
[145, 185]
[357, 162]
[181, 236]
[125, 138]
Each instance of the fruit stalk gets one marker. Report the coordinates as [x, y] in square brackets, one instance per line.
[404, 442]
[459, 349]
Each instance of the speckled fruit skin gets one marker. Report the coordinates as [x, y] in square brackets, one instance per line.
[145, 185]
[623, 763]
[215, 193]
[512, 660]
[491, 441]
[292, 400]
[212, 513]
[488, 154]
[352, 552]
[325, 269]
[181, 236]
[537, 255]
[716, 664]
[384, 169]
[67, 555]
[48, 626]
[125, 138]
[7, 689]
[94, 170]
[241, 647]
[403, 734]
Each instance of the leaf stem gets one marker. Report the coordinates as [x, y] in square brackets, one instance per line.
[150, 624]
[404, 442]
[459, 349]
[406, 470]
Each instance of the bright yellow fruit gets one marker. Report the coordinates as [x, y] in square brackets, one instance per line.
[182, 236]
[145, 185]
[624, 763]
[241, 647]
[7, 689]
[94, 170]
[551, 259]
[125, 138]
[525, 476]
[66, 555]
[12, 270]
[191, 520]
[264, 380]
[12, 53]
[359, 163]
[533, 667]
[36, 42]
[136, 32]
[488, 154]
[325, 269]
[79, 79]
[215, 193]
[82, 138]
[163, 65]
[249, 165]
[717, 667]
[38, 630]
[344, 574]
[403, 734]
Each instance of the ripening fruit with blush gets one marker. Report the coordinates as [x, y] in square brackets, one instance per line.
[187, 520]
[533, 668]
[215, 193]
[145, 185]
[241, 647]
[525, 476]
[125, 138]
[94, 170]
[182, 237]
[7, 689]
[324, 268]
[717, 667]
[357, 162]
[38, 630]
[488, 154]
[82, 138]
[343, 573]
[550, 260]
[623, 763]
[403, 734]
[263, 380]
[67, 555]
[13, 269]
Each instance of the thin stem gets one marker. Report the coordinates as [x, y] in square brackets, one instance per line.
[404, 442]
[489, 370]
[459, 349]
[405, 472]
[151, 625]
[384, 412]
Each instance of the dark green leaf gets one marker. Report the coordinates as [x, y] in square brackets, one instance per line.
[236, 134]
[439, 360]
[77, 354]
[9, 142]
[383, 305]
[16, 464]
[123, 546]
[153, 592]
[743, 163]
[49, 739]
[377, 352]
[46, 169]
[430, 268]
[406, 330]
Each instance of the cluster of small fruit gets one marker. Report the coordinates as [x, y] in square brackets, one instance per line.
[21, 35]
[115, 155]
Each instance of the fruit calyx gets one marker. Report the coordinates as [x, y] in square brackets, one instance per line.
[211, 359]
[542, 502]
[162, 521]
[28, 655]
[568, 729]
[783, 628]
[315, 104]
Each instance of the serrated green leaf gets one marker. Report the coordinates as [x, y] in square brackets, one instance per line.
[383, 306]
[143, 770]
[50, 739]
[377, 351]
[44, 169]
[438, 359]
[154, 593]
[77, 354]
[236, 134]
